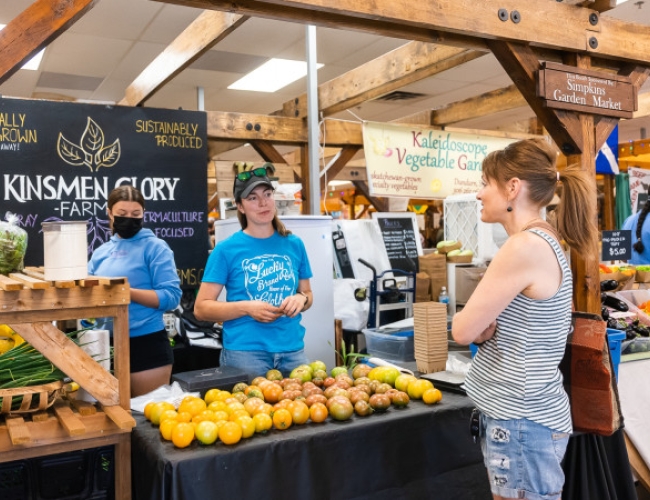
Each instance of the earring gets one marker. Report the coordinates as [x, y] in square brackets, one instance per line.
[509, 209]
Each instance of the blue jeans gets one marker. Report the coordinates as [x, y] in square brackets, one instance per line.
[523, 458]
[257, 363]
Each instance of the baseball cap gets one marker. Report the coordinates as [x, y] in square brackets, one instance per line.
[248, 180]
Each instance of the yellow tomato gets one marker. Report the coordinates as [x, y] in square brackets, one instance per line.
[263, 422]
[211, 396]
[416, 389]
[167, 427]
[247, 426]
[167, 414]
[206, 432]
[158, 410]
[184, 416]
[431, 396]
[192, 405]
[230, 433]
[217, 406]
[182, 434]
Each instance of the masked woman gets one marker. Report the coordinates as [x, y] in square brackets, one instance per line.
[148, 264]
[265, 271]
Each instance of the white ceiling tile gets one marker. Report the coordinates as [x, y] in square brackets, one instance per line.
[136, 59]
[20, 84]
[169, 22]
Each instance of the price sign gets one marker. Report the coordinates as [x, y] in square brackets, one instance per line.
[617, 245]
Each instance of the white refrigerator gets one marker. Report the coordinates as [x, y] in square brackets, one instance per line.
[316, 233]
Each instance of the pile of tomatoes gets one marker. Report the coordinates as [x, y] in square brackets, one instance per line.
[274, 402]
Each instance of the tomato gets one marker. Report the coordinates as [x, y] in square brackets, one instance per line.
[230, 433]
[184, 416]
[173, 414]
[299, 412]
[328, 381]
[263, 422]
[147, 409]
[247, 426]
[344, 377]
[402, 382]
[182, 434]
[315, 398]
[340, 408]
[210, 396]
[361, 370]
[204, 415]
[417, 388]
[255, 393]
[333, 390]
[337, 370]
[358, 395]
[384, 374]
[272, 393]
[259, 380]
[217, 406]
[166, 428]
[431, 396]
[239, 387]
[318, 412]
[399, 399]
[240, 396]
[192, 405]
[318, 365]
[206, 432]
[282, 419]
[361, 381]
[379, 402]
[362, 408]
[158, 409]
[274, 375]
[251, 404]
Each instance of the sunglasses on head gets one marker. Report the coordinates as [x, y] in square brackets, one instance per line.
[247, 174]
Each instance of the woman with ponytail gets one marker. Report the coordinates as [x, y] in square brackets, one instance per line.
[265, 271]
[520, 315]
[640, 234]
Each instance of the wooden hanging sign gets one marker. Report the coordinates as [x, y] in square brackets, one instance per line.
[586, 91]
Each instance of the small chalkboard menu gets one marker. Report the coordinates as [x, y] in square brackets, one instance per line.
[401, 237]
[617, 245]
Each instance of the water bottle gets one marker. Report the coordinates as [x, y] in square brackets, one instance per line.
[443, 298]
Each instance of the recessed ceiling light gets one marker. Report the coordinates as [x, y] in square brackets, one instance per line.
[34, 62]
[272, 75]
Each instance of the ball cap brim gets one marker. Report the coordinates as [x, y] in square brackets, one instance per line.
[245, 188]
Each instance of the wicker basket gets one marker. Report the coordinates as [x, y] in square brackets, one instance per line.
[29, 399]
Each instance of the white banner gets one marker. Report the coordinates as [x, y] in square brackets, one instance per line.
[416, 162]
[639, 184]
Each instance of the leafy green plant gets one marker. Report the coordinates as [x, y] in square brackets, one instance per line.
[347, 357]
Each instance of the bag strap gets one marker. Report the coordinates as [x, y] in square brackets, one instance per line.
[542, 224]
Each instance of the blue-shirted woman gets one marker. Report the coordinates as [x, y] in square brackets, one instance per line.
[148, 263]
[265, 271]
[640, 227]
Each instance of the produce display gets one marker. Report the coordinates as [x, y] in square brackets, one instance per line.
[13, 245]
[272, 403]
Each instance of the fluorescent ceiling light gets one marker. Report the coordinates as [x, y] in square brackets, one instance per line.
[272, 75]
[619, 2]
[34, 62]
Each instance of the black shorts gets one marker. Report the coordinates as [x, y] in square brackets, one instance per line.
[150, 351]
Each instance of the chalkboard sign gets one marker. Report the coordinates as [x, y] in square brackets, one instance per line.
[401, 239]
[617, 245]
[60, 161]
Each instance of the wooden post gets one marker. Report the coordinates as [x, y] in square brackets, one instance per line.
[609, 212]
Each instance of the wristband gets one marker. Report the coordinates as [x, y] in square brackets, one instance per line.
[306, 298]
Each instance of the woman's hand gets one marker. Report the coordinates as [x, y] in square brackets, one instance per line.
[263, 312]
[293, 305]
[486, 334]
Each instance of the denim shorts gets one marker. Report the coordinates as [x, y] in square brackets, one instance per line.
[256, 363]
[523, 458]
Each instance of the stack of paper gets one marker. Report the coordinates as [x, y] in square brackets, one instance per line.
[430, 336]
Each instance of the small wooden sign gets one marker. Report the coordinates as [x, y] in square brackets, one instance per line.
[586, 91]
[617, 245]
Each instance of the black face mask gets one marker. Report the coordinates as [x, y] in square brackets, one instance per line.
[126, 227]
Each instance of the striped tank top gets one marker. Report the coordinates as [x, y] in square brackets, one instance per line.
[515, 374]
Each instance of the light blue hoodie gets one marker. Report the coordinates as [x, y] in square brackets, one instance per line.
[148, 264]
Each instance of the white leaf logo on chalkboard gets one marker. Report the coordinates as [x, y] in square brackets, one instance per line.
[91, 151]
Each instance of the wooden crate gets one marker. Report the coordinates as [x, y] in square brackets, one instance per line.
[29, 305]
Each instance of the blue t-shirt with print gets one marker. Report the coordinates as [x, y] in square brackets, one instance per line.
[266, 269]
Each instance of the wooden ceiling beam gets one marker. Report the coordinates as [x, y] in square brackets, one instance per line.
[250, 127]
[541, 23]
[303, 15]
[409, 63]
[268, 153]
[34, 28]
[201, 35]
[521, 64]
[338, 163]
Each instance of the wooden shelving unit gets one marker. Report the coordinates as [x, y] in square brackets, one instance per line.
[30, 305]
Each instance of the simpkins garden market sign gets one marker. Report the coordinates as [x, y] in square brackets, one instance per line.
[586, 91]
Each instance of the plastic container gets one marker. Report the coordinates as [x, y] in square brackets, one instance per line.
[473, 348]
[65, 250]
[614, 338]
[390, 345]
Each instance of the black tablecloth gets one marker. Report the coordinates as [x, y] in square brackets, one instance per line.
[417, 452]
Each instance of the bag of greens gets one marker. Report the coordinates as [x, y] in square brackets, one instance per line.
[13, 245]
